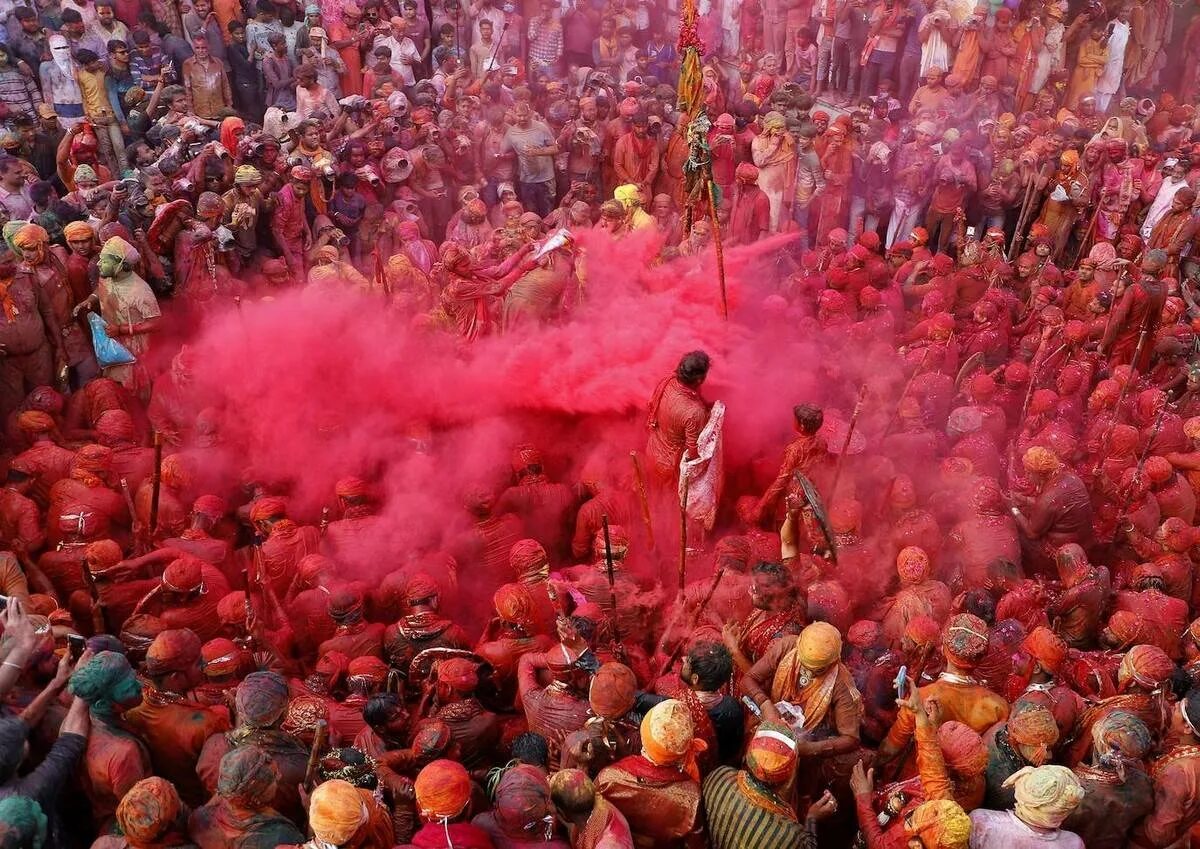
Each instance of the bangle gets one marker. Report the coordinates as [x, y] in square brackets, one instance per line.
[18, 666]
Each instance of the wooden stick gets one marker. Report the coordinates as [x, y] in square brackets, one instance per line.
[639, 481]
[712, 589]
[314, 754]
[156, 484]
[683, 535]
[837, 470]
[712, 211]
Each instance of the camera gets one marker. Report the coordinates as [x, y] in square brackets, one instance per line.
[339, 238]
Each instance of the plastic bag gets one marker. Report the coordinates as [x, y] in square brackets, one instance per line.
[109, 352]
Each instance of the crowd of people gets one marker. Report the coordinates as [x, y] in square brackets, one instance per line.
[957, 609]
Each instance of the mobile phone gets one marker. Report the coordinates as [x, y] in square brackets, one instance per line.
[75, 645]
[970, 232]
[901, 682]
[752, 706]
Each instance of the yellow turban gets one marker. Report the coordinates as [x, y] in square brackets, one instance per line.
[247, 175]
[1046, 795]
[336, 811]
[774, 121]
[30, 236]
[628, 195]
[1069, 159]
[940, 824]
[819, 646]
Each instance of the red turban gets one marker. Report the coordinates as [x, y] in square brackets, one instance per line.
[459, 674]
[845, 516]
[93, 458]
[268, 507]
[352, 488]
[965, 641]
[746, 172]
[1148, 666]
[527, 558]
[903, 493]
[172, 651]
[443, 789]
[114, 426]
[210, 506]
[870, 240]
[1047, 648]
[912, 565]
[922, 631]
[522, 802]
[220, 657]
[1175, 535]
[1124, 439]
[514, 604]
[184, 575]
[986, 496]
[420, 587]
[332, 665]
[102, 554]
[963, 748]
[47, 399]
[864, 634]
[1033, 725]
[1158, 469]
[628, 107]
[983, 386]
[431, 738]
[303, 713]
[231, 609]
[613, 691]
[367, 668]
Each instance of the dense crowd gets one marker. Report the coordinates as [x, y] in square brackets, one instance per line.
[957, 609]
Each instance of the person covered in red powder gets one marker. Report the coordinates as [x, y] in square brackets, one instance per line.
[677, 415]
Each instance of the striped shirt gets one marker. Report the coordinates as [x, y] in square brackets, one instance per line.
[735, 821]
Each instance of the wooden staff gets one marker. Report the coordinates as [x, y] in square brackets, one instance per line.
[904, 394]
[1127, 502]
[639, 481]
[1018, 234]
[712, 211]
[1087, 236]
[712, 589]
[683, 535]
[837, 470]
[156, 483]
[612, 583]
[320, 734]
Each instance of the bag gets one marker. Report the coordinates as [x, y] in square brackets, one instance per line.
[109, 352]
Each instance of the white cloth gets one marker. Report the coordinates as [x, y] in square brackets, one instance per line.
[1161, 204]
[703, 477]
[401, 49]
[1110, 78]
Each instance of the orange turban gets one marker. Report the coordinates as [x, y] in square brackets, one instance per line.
[459, 674]
[231, 609]
[148, 811]
[443, 789]
[184, 575]
[172, 651]
[527, 558]
[268, 507]
[922, 631]
[940, 824]
[612, 691]
[1047, 648]
[1148, 666]
[78, 230]
[336, 811]
[513, 603]
[668, 737]
[819, 646]
[35, 421]
[175, 472]
[367, 668]
[963, 748]
[93, 458]
[1040, 460]
[352, 488]
[220, 657]
[1033, 726]
[102, 554]
[912, 565]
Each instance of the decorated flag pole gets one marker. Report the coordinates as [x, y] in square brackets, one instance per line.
[698, 176]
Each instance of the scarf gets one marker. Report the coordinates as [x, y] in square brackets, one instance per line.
[10, 309]
[814, 693]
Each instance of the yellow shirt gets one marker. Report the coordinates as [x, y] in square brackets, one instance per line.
[94, 93]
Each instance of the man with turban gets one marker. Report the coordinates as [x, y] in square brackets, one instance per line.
[1044, 654]
[46, 265]
[20, 521]
[612, 732]
[129, 309]
[488, 543]
[1176, 775]
[1026, 738]
[443, 791]
[243, 203]
[260, 705]
[116, 760]
[1139, 310]
[1060, 512]
[1117, 792]
[289, 222]
[750, 219]
[45, 461]
[776, 614]
[284, 543]
[553, 685]
[624, 602]
[543, 506]
[677, 415]
[1045, 796]
[919, 595]
[592, 821]
[150, 816]
[353, 538]
[352, 636]
[1085, 592]
[1175, 230]
[240, 813]
[935, 824]
[197, 539]
[658, 790]
[30, 333]
[805, 672]
[1141, 677]
[1145, 614]
[960, 696]
[984, 536]
[510, 634]
[523, 814]
[746, 809]
[717, 717]
[174, 728]
[474, 729]
[422, 627]
[187, 596]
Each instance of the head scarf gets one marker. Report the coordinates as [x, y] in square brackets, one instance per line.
[965, 641]
[1046, 795]
[1148, 666]
[443, 789]
[248, 776]
[336, 811]
[24, 823]
[148, 810]
[1047, 648]
[668, 737]
[940, 824]
[771, 756]
[612, 691]
[819, 646]
[261, 699]
[912, 565]
[963, 748]
[247, 175]
[104, 681]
